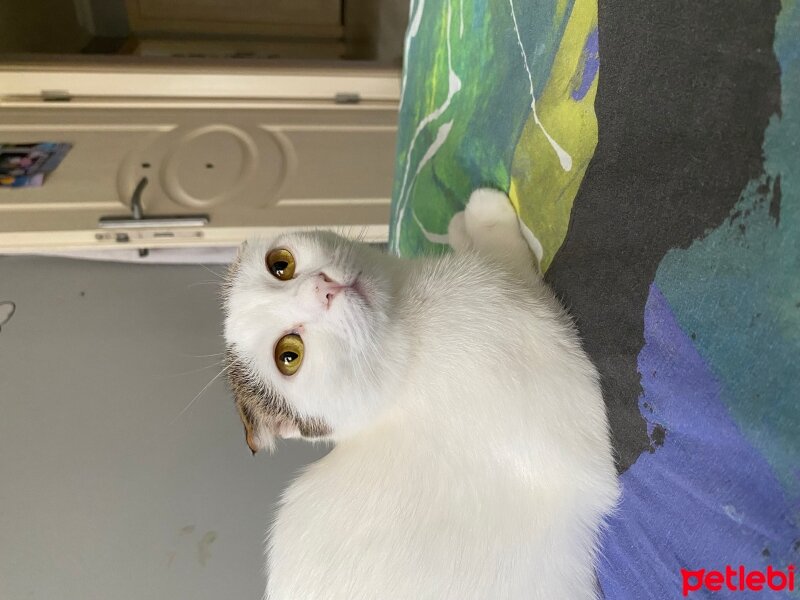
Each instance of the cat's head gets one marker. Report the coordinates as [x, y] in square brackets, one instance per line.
[305, 328]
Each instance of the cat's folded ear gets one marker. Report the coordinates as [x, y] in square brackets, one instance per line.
[252, 434]
[263, 414]
[261, 432]
[256, 434]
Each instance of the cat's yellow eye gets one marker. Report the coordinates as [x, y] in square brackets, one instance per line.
[280, 263]
[289, 354]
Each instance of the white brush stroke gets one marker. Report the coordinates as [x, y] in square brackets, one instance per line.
[533, 242]
[434, 238]
[454, 86]
[441, 137]
[563, 157]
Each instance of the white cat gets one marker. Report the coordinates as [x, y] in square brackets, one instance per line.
[472, 456]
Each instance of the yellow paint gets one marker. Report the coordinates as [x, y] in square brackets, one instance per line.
[514, 196]
[540, 189]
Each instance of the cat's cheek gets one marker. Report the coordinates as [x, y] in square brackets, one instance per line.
[276, 428]
[288, 431]
[309, 311]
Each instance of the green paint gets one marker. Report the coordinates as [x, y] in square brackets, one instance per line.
[738, 289]
[542, 191]
[490, 113]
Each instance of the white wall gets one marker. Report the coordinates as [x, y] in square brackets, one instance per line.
[106, 490]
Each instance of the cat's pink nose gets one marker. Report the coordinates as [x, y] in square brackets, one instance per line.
[326, 289]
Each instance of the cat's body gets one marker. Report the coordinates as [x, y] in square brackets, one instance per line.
[475, 463]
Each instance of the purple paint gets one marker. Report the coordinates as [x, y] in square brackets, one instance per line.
[679, 502]
[590, 61]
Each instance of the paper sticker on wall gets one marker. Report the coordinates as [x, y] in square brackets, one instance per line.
[27, 165]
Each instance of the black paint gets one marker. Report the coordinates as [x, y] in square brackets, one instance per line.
[685, 93]
[775, 201]
[658, 436]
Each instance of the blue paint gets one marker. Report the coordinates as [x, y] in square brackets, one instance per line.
[590, 60]
[738, 288]
[706, 498]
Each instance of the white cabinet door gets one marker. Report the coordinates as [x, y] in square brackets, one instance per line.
[244, 164]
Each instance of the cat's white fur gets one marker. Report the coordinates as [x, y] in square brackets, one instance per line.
[472, 456]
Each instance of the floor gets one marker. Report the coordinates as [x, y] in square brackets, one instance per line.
[123, 464]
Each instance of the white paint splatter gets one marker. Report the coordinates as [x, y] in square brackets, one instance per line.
[413, 29]
[533, 242]
[434, 238]
[441, 136]
[563, 157]
[733, 514]
[454, 86]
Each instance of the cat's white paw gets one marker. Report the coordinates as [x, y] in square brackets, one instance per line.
[457, 233]
[493, 228]
[489, 209]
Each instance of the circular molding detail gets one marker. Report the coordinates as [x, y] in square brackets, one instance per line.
[209, 165]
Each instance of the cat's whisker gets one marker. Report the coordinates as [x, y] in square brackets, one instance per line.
[200, 393]
[215, 364]
[348, 253]
[196, 283]
[204, 355]
[220, 276]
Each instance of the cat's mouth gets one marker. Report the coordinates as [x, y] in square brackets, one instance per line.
[327, 289]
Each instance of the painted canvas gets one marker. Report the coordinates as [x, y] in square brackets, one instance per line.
[653, 150]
